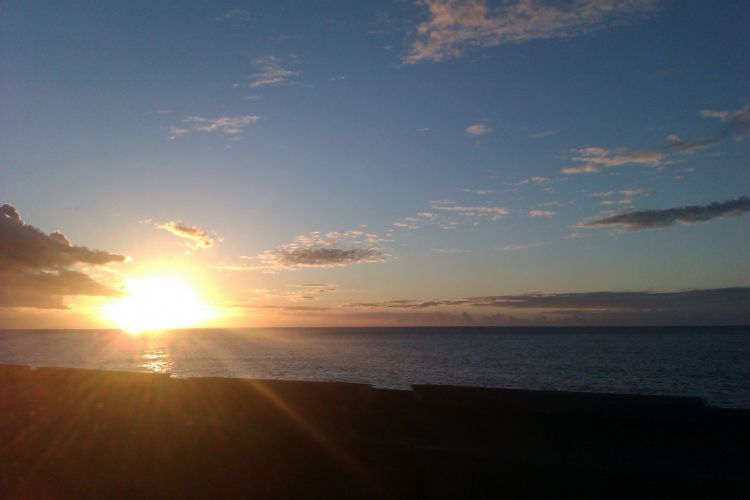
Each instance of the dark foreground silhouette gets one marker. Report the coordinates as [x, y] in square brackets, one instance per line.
[70, 433]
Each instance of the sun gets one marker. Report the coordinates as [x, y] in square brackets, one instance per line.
[157, 303]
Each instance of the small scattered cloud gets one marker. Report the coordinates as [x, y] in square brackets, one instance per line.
[477, 129]
[593, 159]
[545, 133]
[272, 71]
[196, 237]
[234, 16]
[652, 219]
[473, 211]
[452, 26]
[521, 247]
[621, 201]
[480, 192]
[423, 130]
[542, 213]
[175, 132]
[229, 125]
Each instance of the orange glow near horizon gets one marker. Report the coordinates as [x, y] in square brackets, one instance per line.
[157, 303]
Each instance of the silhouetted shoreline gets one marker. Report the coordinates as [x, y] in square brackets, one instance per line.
[75, 433]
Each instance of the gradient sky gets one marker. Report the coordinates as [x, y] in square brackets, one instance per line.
[374, 163]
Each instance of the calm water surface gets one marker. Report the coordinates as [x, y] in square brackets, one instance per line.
[708, 362]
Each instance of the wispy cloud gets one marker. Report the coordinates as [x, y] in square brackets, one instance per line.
[477, 129]
[229, 125]
[736, 123]
[469, 210]
[542, 213]
[272, 71]
[690, 214]
[594, 159]
[196, 237]
[234, 16]
[521, 247]
[480, 192]
[454, 26]
[545, 133]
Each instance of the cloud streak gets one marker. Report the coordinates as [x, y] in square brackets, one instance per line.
[452, 26]
[229, 125]
[593, 159]
[690, 214]
[698, 306]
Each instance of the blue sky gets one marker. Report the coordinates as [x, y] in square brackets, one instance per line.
[453, 149]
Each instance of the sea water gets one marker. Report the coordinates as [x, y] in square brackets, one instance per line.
[708, 362]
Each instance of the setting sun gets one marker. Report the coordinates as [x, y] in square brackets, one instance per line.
[157, 303]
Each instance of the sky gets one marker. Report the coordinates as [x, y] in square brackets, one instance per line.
[436, 162]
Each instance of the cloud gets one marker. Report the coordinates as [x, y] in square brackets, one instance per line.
[271, 72]
[234, 16]
[475, 211]
[690, 214]
[230, 125]
[736, 123]
[197, 238]
[545, 133]
[332, 249]
[698, 306]
[621, 201]
[453, 26]
[593, 159]
[34, 265]
[477, 129]
[480, 192]
[518, 248]
[319, 257]
[542, 213]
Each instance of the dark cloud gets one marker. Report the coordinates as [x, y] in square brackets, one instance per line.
[321, 257]
[315, 249]
[33, 265]
[702, 306]
[690, 214]
[23, 244]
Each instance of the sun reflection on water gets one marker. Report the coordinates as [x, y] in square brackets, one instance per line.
[155, 359]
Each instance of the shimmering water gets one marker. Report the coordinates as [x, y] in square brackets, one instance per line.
[708, 362]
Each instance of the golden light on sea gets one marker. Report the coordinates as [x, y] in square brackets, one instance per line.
[157, 303]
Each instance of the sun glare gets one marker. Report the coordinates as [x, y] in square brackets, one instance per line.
[157, 303]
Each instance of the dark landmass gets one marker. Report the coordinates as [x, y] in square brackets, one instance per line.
[72, 433]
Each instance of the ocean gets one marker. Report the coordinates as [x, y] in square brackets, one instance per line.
[712, 363]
